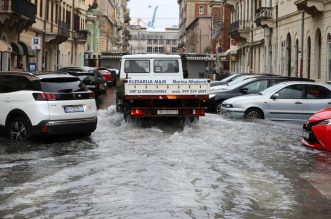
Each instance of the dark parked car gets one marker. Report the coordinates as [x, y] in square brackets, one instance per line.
[226, 80]
[249, 86]
[93, 80]
[76, 69]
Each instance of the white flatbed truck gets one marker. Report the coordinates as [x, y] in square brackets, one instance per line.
[153, 86]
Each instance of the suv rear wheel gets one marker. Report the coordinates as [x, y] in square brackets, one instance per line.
[19, 129]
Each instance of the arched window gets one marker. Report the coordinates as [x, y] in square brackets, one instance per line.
[308, 57]
[318, 49]
[289, 54]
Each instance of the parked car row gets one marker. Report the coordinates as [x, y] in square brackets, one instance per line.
[243, 85]
[280, 99]
[96, 79]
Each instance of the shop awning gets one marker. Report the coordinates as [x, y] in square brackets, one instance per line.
[27, 49]
[17, 49]
[4, 46]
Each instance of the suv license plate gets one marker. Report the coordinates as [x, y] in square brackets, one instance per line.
[167, 112]
[73, 109]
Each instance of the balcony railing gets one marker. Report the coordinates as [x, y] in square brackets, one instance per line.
[263, 13]
[234, 26]
[19, 7]
[81, 35]
[64, 29]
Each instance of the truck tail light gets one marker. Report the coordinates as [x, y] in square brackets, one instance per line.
[137, 112]
[199, 112]
[44, 96]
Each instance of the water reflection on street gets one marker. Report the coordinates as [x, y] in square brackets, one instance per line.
[218, 168]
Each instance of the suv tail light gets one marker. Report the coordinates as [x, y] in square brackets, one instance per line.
[92, 95]
[44, 96]
[199, 112]
[137, 112]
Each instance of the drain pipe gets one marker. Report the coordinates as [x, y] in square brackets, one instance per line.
[302, 42]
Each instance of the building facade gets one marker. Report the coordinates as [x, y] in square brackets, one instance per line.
[15, 17]
[282, 37]
[144, 40]
[194, 26]
[58, 37]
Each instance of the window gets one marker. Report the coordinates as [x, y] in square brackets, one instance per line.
[317, 92]
[156, 41]
[149, 49]
[201, 9]
[256, 86]
[168, 42]
[174, 42]
[166, 66]
[161, 49]
[136, 66]
[174, 49]
[291, 92]
[161, 42]
[156, 49]
[15, 83]
[150, 41]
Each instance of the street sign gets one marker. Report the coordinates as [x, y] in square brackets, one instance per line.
[36, 44]
[32, 67]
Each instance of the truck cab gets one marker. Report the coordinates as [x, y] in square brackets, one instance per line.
[151, 66]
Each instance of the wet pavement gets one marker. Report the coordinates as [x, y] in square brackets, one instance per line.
[218, 168]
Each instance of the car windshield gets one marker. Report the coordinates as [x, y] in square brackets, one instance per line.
[272, 89]
[238, 79]
[231, 77]
[240, 83]
[62, 85]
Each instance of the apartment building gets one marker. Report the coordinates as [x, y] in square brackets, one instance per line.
[286, 37]
[144, 40]
[15, 17]
[58, 37]
[194, 26]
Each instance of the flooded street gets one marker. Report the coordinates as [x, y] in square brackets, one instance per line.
[218, 168]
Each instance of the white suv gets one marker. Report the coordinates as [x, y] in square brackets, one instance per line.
[37, 105]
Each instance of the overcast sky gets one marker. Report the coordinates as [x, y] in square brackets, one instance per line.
[166, 16]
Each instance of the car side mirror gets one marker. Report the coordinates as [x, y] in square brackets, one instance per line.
[244, 90]
[275, 96]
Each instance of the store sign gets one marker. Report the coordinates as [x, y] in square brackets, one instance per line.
[36, 44]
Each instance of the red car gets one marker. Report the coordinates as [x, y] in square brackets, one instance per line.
[317, 131]
[108, 76]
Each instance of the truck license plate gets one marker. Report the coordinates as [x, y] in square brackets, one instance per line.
[73, 109]
[167, 112]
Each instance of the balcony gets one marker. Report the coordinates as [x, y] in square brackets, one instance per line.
[17, 13]
[81, 35]
[264, 17]
[311, 7]
[62, 34]
[239, 30]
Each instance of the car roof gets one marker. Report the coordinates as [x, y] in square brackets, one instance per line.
[45, 75]
[18, 73]
[150, 56]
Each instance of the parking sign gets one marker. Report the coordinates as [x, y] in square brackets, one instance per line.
[36, 43]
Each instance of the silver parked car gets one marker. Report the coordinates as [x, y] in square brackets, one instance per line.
[284, 101]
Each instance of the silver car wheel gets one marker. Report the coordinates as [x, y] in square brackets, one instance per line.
[18, 131]
[253, 114]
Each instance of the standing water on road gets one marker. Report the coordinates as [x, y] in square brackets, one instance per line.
[217, 168]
